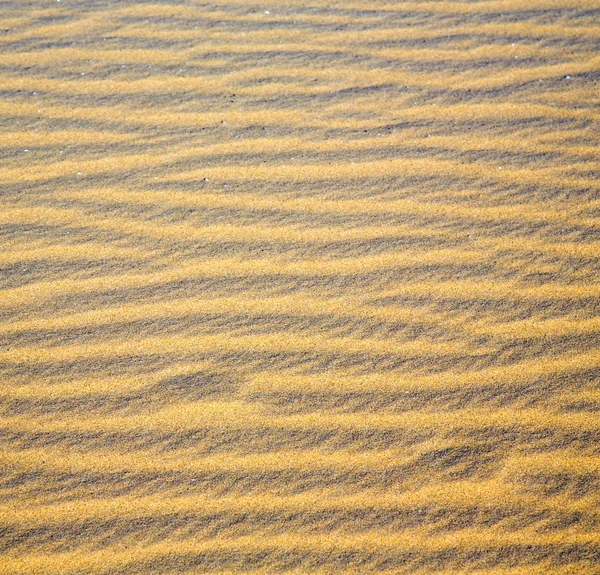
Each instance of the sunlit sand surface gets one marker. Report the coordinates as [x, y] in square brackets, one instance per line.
[299, 287]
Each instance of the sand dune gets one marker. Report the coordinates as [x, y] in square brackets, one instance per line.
[300, 287]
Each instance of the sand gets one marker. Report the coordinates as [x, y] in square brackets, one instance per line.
[299, 287]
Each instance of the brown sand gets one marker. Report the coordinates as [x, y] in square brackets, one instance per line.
[300, 287]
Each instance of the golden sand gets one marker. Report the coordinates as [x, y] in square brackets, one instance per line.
[301, 287]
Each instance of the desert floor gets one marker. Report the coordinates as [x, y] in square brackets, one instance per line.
[298, 287]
